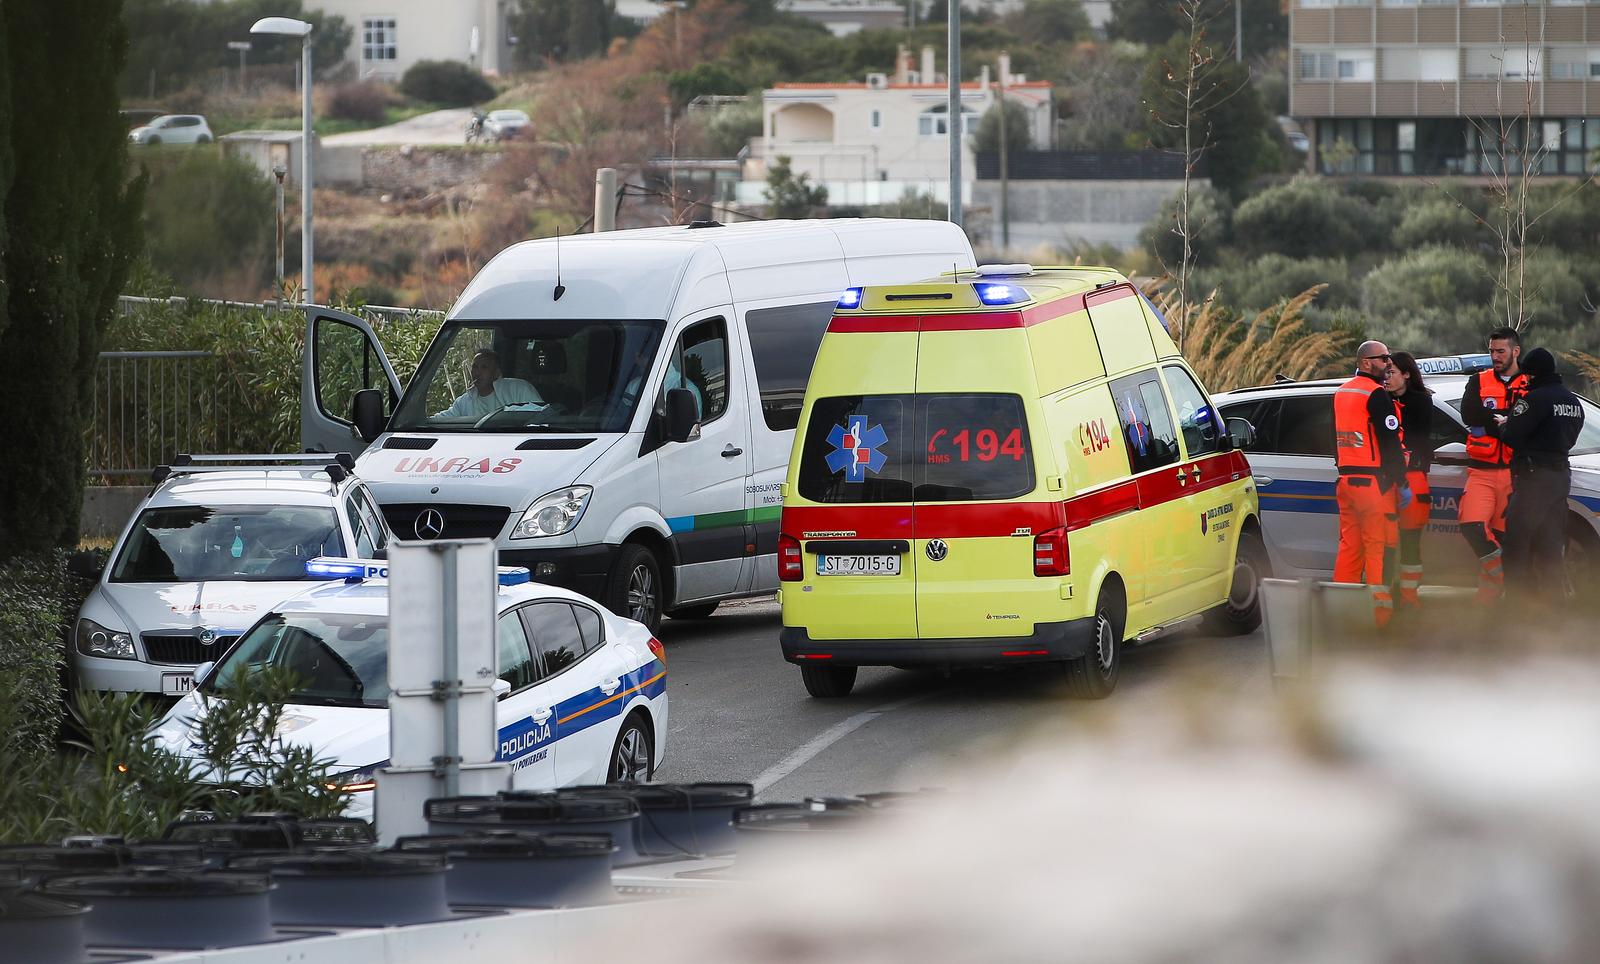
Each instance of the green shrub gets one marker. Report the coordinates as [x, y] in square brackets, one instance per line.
[1439, 221]
[1272, 278]
[1307, 218]
[1432, 301]
[365, 100]
[39, 600]
[1210, 217]
[1558, 305]
[447, 82]
[208, 218]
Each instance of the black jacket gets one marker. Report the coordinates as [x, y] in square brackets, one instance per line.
[1543, 426]
[1416, 420]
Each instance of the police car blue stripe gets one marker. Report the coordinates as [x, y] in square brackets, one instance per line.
[578, 713]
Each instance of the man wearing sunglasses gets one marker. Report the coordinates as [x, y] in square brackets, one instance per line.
[1372, 475]
[1488, 489]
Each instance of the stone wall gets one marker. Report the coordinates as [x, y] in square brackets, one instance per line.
[403, 170]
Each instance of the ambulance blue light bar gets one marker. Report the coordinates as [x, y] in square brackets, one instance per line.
[996, 295]
[333, 567]
[851, 298]
[513, 575]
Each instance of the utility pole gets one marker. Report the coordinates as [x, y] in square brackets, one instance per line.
[605, 199]
[1238, 31]
[1005, 160]
[953, 122]
[243, 46]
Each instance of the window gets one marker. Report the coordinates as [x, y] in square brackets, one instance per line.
[246, 543]
[1446, 429]
[346, 362]
[555, 634]
[1510, 63]
[934, 122]
[1421, 63]
[875, 120]
[1146, 424]
[358, 528]
[377, 38]
[1305, 426]
[372, 518]
[1262, 416]
[1355, 65]
[699, 364]
[784, 343]
[916, 448]
[335, 659]
[1196, 420]
[1315, 66]
[512, 657]
[1574, 63]
[590, 628]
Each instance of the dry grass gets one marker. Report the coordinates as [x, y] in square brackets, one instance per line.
[1227, 351]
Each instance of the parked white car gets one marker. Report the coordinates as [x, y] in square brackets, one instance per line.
[505, 125]
[582, 693]
[1291, 458]
[173, 129]
[213, 547]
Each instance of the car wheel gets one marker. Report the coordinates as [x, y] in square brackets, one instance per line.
[633, 755]
[828, 682]
[1093, 675]
[701, 611]
[1240, 613]
[203, 139]
[153, 139]
[635, 586]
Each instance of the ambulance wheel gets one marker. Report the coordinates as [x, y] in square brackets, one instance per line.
[1093, 675]
[828, 682]
[1240, 613]
[701, 611]
[634, 589]
[632, 756]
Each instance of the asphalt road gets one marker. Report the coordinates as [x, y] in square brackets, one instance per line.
[739, 712]
[437, 127]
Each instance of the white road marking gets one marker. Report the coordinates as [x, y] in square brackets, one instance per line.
[827, 738]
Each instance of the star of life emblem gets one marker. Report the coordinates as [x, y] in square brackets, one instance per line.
[856, 449]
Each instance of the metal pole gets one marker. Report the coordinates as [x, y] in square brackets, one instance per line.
[953, 32]
[1238, 31]
[307, 176]
[451, 680]
[1005, 168]
[278, 172]
[605, 199]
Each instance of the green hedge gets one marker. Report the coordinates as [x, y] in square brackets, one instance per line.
[39, 599]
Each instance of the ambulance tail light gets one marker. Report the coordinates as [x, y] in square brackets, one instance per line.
[791, 563]
[1050, 555]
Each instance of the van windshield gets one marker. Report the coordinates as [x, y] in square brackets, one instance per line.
[531, 376]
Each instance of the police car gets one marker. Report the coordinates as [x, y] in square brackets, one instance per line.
[218, 542]
[1291, 457]
[582, 693]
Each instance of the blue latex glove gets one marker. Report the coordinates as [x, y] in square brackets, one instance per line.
[1405, 497]
[1477, 431]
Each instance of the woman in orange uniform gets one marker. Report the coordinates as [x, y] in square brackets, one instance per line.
[1415, 401]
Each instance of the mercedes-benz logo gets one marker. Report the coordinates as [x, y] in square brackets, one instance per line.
[429, 524]
[207, 637]
[937, 550]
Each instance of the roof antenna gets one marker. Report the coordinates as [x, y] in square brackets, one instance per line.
[561, 289]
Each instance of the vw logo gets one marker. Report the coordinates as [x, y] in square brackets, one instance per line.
[429, 524]
[207, 637]
[937, 550]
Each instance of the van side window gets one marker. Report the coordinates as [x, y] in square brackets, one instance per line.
[784, 342]
[699, 363]
[1196, 419]
[1146, 424]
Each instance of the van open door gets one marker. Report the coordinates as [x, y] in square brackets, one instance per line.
[342, 357]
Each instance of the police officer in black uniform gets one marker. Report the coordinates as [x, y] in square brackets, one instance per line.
[1541, 429]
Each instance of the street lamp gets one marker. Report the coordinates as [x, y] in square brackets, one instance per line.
[289, 27]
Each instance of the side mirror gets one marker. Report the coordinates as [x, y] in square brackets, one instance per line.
[1451, 453]
[367, 414]
[201, 671]
[86, 565]
[502, 688]
[1241, 434]
[683, 416]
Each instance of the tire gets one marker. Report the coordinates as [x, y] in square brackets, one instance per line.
[634, 589]
[828, 682]
[153, 139]
[633, 754]
[1093, 676]
[1241, 613]
[203, 139]
[699, 611]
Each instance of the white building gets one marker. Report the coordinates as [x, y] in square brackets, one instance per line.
[845, 17]
[870, 143]
[391, 35]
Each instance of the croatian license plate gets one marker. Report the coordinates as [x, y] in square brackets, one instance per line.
[858, 565]
[176, 684]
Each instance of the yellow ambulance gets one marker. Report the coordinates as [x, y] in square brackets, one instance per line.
[1012, 464]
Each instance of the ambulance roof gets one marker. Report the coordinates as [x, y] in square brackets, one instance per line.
[662, 273]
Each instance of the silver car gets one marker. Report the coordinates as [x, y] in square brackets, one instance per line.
[505, 125]
[1291, 457]
[173, 129]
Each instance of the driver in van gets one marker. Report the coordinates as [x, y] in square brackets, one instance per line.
[490, 392]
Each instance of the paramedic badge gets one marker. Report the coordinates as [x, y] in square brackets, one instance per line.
[856, 449]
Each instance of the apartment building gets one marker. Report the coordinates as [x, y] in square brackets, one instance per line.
[391, 36]
[1446, 87]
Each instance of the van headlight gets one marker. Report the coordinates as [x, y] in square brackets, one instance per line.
[553, 514]
[96, 640]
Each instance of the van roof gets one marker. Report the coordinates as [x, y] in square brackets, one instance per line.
[656, 273]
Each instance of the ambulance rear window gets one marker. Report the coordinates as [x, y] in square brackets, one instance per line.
[964, 447]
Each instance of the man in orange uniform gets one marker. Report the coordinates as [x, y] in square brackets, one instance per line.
[1488, 489]
[1372, 475]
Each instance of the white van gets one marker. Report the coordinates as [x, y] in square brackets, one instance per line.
[524, 421]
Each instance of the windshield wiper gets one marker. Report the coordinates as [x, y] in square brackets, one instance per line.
[309, 700]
